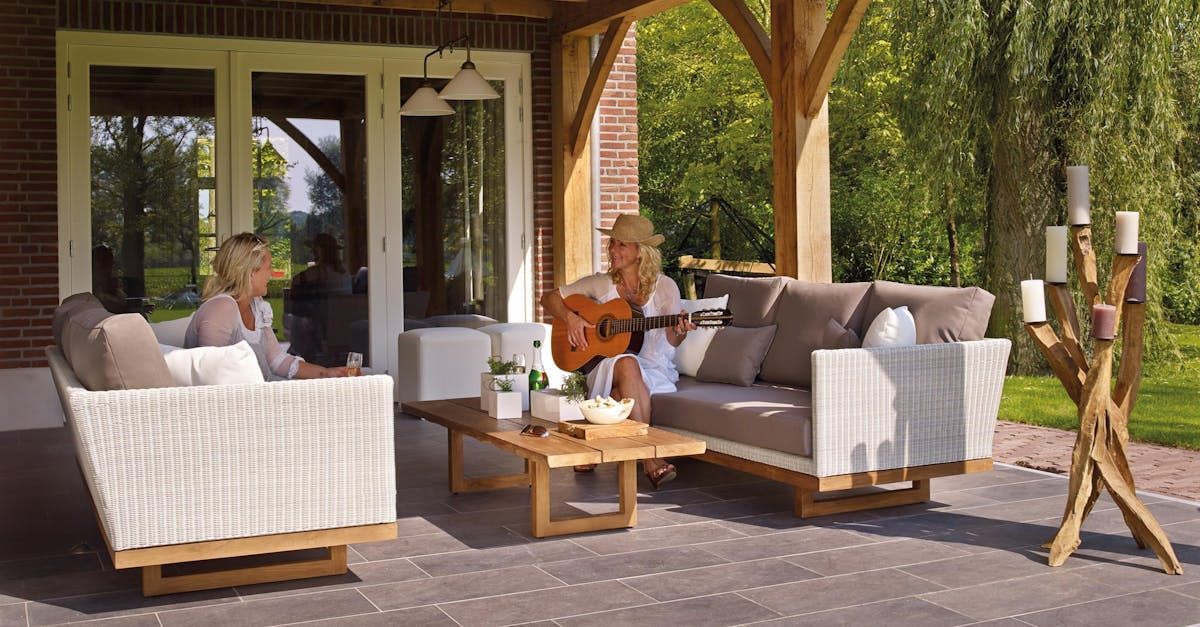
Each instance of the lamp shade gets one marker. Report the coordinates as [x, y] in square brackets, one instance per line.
[425, 101]
[468, 84]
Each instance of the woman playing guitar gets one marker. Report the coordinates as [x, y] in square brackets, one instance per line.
[635, 275]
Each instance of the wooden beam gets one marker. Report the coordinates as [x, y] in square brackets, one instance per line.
[597, 78]
[819, 75]
[688, 262]
[522, 8]
[752, 34]
[570, 62]
[593, 17]
[324, 162]
[800, 146]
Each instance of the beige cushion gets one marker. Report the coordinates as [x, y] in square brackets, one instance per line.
[942, 314]
[774, 417]
[113, 352]
[70, 305]
[751, 301]
[735, 355]
[803, 311]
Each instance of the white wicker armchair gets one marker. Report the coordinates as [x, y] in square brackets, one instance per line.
[196, 473]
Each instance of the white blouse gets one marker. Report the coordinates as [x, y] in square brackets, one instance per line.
[219, 323]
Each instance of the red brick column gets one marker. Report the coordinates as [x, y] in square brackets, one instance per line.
[619, 139]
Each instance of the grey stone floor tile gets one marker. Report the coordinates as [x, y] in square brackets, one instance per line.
[724, 510]
[897, 612]
[723, 609]
[1144, 609]
[13, 615]
[999, 475]
[1189, 589]
[412, 546]
[992, 566]
[272, 611]
[829, 593]
[769, 523]
[68, 584]
[785, 543]
[1111, 520]
[141, 620]
[602, 567]
[874, 556]
[362, 574]
[717, 579]
[429, 616]
[127, 603]
[534, 606]
[1020, 596]
[642, 539]
[47, 566]
[503, 557]
[1025, 490]
[450, 588]
[1138, 574]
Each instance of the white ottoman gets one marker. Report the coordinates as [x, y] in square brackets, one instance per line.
[440, 362]
[517, 337]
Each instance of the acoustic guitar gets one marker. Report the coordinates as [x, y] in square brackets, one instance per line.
[619, 329]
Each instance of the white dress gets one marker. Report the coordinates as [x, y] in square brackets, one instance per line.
[657, 357]
[218, 322]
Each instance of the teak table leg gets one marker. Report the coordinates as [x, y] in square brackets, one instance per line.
[460, 483]
[541, 524]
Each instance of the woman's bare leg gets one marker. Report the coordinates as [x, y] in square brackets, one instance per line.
[628, 383]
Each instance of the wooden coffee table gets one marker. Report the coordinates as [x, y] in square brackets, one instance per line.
[462, 416]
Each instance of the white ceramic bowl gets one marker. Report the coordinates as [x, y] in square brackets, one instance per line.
[595, 412]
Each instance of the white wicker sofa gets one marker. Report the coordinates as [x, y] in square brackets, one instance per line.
[853, 417]
[185, 474]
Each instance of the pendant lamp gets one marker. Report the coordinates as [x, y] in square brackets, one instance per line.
[425, 101]
[468, 84]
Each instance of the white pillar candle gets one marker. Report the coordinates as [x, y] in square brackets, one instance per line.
[1033, 300]
[1127, 233]
[1079, 201]
[1056, 254]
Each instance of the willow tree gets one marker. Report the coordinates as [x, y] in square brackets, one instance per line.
[1006, 93]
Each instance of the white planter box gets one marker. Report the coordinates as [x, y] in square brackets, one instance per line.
[553, 406]
[505, 405]
[520, 384]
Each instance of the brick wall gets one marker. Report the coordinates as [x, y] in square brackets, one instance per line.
[28, 174]
[619, 140]
[28, 171]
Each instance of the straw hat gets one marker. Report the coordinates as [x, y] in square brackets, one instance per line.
[630, 227]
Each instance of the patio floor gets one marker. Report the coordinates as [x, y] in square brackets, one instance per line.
[715, 547]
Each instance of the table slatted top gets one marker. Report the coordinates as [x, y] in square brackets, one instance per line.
[559, 449]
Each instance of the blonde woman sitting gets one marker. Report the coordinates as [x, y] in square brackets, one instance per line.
[635, 275]
[233, 310]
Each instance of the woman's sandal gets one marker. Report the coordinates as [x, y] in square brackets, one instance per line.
[585, 468]
[661, 475]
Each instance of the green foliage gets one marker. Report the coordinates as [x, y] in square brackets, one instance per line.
[497, 365]
[574, 387]
[503, 384]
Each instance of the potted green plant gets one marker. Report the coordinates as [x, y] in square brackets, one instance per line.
[505, 399]
[498, 367]
[561, 404]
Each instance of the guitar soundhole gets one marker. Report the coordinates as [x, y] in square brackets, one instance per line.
[603, 328]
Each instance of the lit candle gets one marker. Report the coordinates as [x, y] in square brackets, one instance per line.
[1104, 321]
[1135, 292]
[1033, 300]
[1127, 232]
[1079, 201]
[1056, 254]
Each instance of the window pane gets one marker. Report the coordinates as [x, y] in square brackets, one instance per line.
[453, 174]
[310, 199]
[153, 190]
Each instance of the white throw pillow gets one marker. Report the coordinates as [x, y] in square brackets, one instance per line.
[892, 327]
[690, 353]
[213, 365]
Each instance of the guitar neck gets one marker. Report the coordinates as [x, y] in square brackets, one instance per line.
[637, 325]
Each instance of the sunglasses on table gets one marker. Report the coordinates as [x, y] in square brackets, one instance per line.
[535, 431]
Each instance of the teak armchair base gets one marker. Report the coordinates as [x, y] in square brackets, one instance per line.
[808, 487]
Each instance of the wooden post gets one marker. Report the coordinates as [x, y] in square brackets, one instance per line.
[800, 146]
[570, 63]
[1098, 460]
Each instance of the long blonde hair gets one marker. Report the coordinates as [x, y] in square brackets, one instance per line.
[237, 258]
[649, 267]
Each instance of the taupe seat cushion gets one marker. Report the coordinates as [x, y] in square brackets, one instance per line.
[751, 300]
[942, 314]
[111, 352]
[773, 417]
[802, 315]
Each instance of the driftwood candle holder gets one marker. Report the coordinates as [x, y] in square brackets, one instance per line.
[1098, 461]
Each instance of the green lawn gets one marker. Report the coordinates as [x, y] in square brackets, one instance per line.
[1166, 411]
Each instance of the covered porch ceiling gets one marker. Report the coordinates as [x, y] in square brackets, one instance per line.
[796, 55]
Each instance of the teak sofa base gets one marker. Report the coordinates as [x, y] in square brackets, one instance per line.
[808, 487]
[152, 559]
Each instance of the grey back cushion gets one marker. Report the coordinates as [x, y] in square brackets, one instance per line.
[942, 314]
[751, 300]
[803, 313]
[735, 355]
[112, 352]
[70, 305]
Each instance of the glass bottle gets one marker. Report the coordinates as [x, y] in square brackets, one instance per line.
[537, 378]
